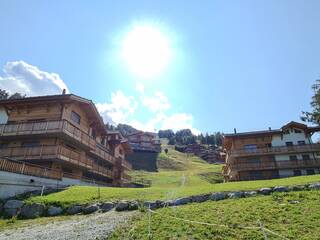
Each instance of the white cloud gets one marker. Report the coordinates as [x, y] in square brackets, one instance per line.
[24, 78]
[156, 103]
[120, 108]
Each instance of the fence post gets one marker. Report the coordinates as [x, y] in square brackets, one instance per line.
[42, 189]
[22, 169]
[149, 223]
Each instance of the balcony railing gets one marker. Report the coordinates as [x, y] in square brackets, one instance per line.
[267, 165]
[57, 127]
[100, 170]
[276, 150]
[47, 127]
[10, 165]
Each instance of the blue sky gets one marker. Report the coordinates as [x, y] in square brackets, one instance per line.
[243, 64]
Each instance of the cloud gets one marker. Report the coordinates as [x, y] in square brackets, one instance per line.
[120, 108]
[24, 78]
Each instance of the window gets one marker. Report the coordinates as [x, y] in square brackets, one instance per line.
[289, 144]
[75, 117]
[293, 157]
[269, 145]
[254, 160]
[297, 172]
[256, 175]
[301, 143]
[297, 131]
[31, 144]
[306, 157]
[287, 131]
[310, 171]
[250, 148]
[4, 145]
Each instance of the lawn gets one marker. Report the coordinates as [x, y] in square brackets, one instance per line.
[276, 212]
[179, 175]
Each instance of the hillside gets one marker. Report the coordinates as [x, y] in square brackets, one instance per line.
[293, 215]
[179, 175]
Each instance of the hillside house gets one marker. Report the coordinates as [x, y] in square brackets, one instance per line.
[64, 133]
[288, 151]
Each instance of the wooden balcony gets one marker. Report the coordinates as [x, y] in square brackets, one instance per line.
[270, 165]
[63, 127]
[102, 171]
[276, 150]
[45, 128]
[9, 165]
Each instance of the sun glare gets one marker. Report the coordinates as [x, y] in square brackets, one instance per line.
[146, 51]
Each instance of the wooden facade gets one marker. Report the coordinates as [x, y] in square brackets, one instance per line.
[62, 132]
[284, 152]
[144, 141]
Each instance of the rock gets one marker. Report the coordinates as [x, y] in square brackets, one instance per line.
[265, 191]
[250, 194]
[182, 201]
[122, 206]
[1, 208]
[107, 206]
[218, 196]
[314, 186]
[54, 211]
[200, 198]
[168, 203]
[32, 210]
[12, 208]
[297, 188]
[280, 189]
[153, 205]
[235, 195]
[74, 209]
[134, 205]
[90, 209]
[293, 202]
[159, 203]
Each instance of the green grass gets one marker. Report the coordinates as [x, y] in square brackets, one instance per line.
[294, 221]
[179, 175]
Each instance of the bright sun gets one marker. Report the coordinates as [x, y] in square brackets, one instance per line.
[146, 50]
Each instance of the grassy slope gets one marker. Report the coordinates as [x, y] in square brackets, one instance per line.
[190, 176]
[294, 221]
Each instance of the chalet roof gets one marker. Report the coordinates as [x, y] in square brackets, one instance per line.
[59, 98]
[142, 133]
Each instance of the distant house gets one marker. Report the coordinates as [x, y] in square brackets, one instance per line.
[144, 141]
[288, 151]
[146, 147]
[62, 134]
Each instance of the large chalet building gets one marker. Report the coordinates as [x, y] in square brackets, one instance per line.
[288, 151]
[63, 133]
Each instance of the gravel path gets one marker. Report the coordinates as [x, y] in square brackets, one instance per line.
[81, 227]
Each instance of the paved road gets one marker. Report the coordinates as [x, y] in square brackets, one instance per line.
[81, 227]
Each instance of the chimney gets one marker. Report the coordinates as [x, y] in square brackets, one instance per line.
[235, 130]
[269, 128]
[64, 91]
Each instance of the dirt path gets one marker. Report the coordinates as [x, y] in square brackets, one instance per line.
[95, 226]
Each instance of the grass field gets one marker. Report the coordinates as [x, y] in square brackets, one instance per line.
[179, 175]
[294, 221]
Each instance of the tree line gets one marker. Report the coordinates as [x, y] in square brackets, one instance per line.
[185, 137]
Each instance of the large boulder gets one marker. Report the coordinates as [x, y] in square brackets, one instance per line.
[280, 189]
[12, 208]
[200, 198]
[1, 208]
[75, 209]
[182, 201]
[235, 195]
[107, 206]
[218, 196]
[297, 188]
[122, 206]
[90, 209]
[134, 205]
[314, 186]
[168, 203]
[265, 191]
[54, 211]
[32, 210]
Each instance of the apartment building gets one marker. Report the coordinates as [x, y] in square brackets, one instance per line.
[285, 152]
[64, 133]
[144, 141]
